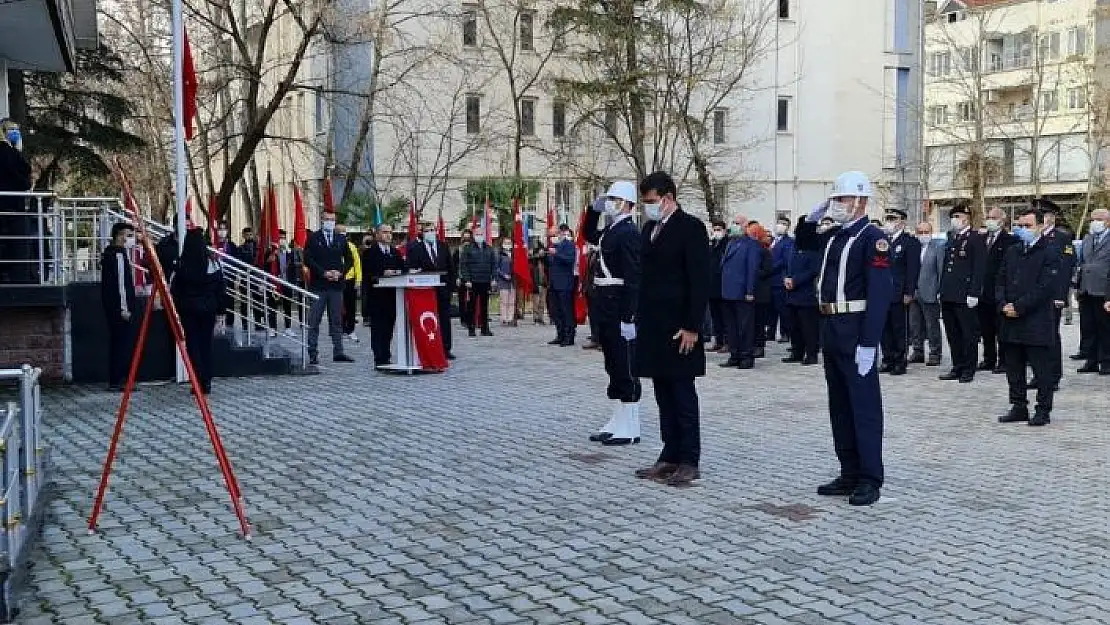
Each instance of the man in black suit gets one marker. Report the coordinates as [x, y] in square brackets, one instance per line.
[1060, 240]
[905, 267]
[431, 254]
[961, 286]
[718, 243]
[998, 241]
[381, 260]
[675, 274]
[328, 259]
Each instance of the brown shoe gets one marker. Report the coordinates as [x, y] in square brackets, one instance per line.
[657, 471]
[684, 476]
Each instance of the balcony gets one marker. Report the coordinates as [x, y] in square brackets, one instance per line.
[44, 35]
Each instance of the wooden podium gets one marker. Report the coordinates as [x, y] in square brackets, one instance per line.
[403, 349]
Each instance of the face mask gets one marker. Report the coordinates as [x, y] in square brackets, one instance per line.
[328, 225]
[653, 211]
[479, 237]
[891, 227]
[735, 230]
[129, 242]
[1098, 227]
[15, 137]
[780, 230]
[1027, 235]
[612, 208]
[957, 224]
[823, 228]
[283, 242]
[566, 237]
[223, 234]
[838, 211]
[718, 235]
[508, 247]
[925, 238]
[429, 237]
[993, 225]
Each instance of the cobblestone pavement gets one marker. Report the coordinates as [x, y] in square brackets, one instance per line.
[473, 497]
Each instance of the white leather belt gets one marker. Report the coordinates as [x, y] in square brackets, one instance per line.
[608, 281]
[841, 308]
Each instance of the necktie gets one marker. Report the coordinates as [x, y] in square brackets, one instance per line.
[432, 253]
[655, 231]
[327, 237]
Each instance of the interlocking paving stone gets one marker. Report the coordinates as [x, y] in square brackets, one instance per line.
[473, 498]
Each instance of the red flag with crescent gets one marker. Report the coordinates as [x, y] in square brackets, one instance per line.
[521, 269]
[427, 336]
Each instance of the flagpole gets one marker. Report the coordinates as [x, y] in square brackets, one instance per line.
[178, 23]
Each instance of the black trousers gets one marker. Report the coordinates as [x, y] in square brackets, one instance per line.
[961, 326]
[443, 310]
[740, 321]
[198, 343]
[989, 322]
[466, 306]
[804, 333]
[619, 354]
[367, 293]
[562, 315]
[896, 334]
[121, 345]
[679, 420]
[479, 305]
[778, 319]
[1094, 329]
[763, 331]
[1056, 366]
[1039, 358]
[717, 316]
[383, 315]
[350, 299]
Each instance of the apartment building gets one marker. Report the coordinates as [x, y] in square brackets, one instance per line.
[1010, 101]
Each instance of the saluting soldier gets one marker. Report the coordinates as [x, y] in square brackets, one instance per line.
[1061, 242]
[905, 266]
[616, 292]
[1028, 283]
[961, 286]
[854, 291]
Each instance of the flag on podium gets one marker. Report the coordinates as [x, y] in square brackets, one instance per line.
[423, 321]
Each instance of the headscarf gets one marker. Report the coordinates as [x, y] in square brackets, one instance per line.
[759, 233]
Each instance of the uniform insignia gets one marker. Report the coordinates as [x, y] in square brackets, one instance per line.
[1068, 249]
[898, 250]
[882, 245]
[881, 260]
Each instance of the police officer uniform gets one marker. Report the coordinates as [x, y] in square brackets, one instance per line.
[855, 291]
[1029, 280]
[905, 266]
[615, 297]
[961, 286]
[1060, 243]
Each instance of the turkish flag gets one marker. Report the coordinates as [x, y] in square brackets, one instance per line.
[441, 228]
[414, 227]
[582, 266]
[427, 336]
[189, 86]
[521, 269]
[300, 230]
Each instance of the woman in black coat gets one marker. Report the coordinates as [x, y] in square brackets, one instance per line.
[801, 293]
[200, 295]
[763, 302]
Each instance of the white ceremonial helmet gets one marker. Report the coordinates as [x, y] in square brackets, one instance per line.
[624, 190]
[851, 184]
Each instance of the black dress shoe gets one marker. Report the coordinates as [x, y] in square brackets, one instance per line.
[567, 343]
[555, 342]
[729, 363]
[1033, 383]
[471, 332]
[917, 359]
[985, 366]
[1014, 416]
[886, 368]
[613, 442]
[1088, 368]
[450, 356]
[1104, 371]
[933, 361]
[998, 370]
[486, 332]
[313, 360]
[342, 358]
[600, 437]
[792, 358]
[1079, 356]
[864, 495]
[967, 379]
[1040, 419]
[898, 369]
[784, 339]
[759, 353]
[746, 364]
[839, 487]
[809, 360]
[951, 375]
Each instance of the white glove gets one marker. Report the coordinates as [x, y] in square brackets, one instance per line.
[818, 212]
[628, 331]
[865, 360]
[599, 205]
[972, 302]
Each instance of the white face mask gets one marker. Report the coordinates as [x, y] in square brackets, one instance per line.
[1098, 227]
[479, 237]
[327, 225]
[957, 224]
[429, 237]
[891, 227]
[839, 211]
[993, 225]
[823, 228]
[780, 230]
[508, 247]
[718, 235]
[653, 211]
[925, 238]
[612, 208]
[223, 233]
[130, 242]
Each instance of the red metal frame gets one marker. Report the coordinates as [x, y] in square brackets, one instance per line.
[162, 291]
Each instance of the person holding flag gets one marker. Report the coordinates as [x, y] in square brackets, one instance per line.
[616, 278]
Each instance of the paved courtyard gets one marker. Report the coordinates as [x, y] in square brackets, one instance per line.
[473, 497]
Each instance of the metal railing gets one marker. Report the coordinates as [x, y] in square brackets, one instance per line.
[24, 466]
[56, 241]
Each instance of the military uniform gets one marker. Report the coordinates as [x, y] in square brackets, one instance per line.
[1060, 243]
[905, 266]
[854, 295]
[1029, 279]
[961, 284]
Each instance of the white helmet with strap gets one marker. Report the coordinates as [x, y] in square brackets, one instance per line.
[851, 184]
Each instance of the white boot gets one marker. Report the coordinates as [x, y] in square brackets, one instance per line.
[627, 429]
[607, 430]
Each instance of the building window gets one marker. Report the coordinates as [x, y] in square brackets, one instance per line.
[966, 111]
[470, 26]
[563, 191]
[784, 9]
[940, 63]
[1077, 41]
[558, 119]
[720, 194]
[527, 117]
[938, 115]
[527, 42]
[1050, 47]
[784, 114]
[319, 116]
[1050, 101]
[1077, 98]
[611, 120]
[473, 114]
[719, 126]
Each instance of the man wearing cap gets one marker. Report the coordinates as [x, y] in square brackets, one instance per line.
[854, 291]
[616, 279]
[1060, 241]
[328, 258]
[905, 265]
[961, 286]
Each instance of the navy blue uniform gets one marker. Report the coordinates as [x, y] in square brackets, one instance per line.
[801, 304]
[615, 298]
[855, 290]
[561, 283]
[779, 322]
[1060, 243]
[1029, 279]
[965, 267]
[905, 266]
